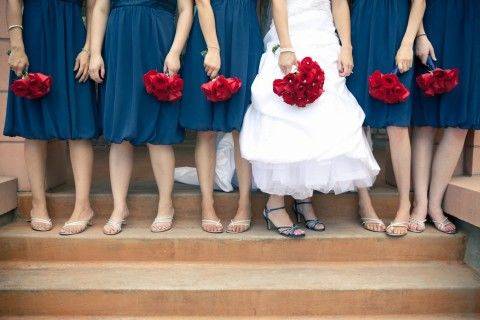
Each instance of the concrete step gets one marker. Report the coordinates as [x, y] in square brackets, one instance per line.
[460, 316]
[143, 201]
[8, 194]
[344, 240]
[170, 289]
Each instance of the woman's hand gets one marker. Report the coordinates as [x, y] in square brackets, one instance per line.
[212, 62]
[345, 62]
[172, 63]
[82, 63]
[424, 48]
[97, 68]
[404, 58]
[18, 61]
[286, 61]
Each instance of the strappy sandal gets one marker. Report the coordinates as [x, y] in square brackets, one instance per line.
[373, 221]
[418, 223]
[216, 223]
[389, 232]
[242, 223]
[83, 224]
[45, 222]
[115, 225]
[286, 231]
[440, 225]
[310, 224]
[165, 221]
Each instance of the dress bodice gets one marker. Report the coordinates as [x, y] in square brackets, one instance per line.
[168, 5]
[298, 7]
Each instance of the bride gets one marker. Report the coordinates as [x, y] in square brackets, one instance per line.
[321, 147]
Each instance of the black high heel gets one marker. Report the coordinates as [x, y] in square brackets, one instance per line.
[310, 224]
[288, 232]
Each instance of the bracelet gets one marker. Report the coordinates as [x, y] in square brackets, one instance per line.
[421, 35]
[282, 50]
[87, 51]
[15, 26]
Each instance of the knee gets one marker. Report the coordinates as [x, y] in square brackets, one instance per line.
[457, 133]
[207, 136]
[398, 133]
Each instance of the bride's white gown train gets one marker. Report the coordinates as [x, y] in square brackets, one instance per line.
[322, 147]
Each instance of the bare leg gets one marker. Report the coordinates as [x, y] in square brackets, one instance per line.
[367, 212]
[443, 166]
[423, 138]
[244, 175]
[280, 218]
[81, 156]
[121, 163]
[35, 160]
[400, 150]
[205, 158]
[163, 164]
[306, 209]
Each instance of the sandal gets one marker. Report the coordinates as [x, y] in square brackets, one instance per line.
[47, 223]
[166, 221]
[84, 224]
[418, 223]
[286, 231]
[373, 221]
[440, 225]
[115, 225]
[389, 232]
[242, 223]
[216, 223]
[310, 224]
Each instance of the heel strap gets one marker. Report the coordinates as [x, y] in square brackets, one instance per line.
[267, 211]
[300, 202]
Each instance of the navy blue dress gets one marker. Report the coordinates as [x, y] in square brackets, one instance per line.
[453, 27]
[241, 46]
[138, 37]
[54, 34]
[378, 27]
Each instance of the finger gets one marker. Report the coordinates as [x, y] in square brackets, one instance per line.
[424, 58]
[102, 72]
[77, 64]
[340, 66]
[432, 54]
[84, 77]
[215, 73]
[165, 69]
[78, 75]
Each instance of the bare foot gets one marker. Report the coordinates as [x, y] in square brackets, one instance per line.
[305, 208]
[117, 219]
[164, 220]
[440, 221]
[370, 219]
[399, 226]
[210, 221]
[78, 222]
[281, 219]
[418, 218]
[40, 220]
[242, 220]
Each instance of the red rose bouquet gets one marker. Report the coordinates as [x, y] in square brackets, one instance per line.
[32, 86]
[302, 87]
[221, 88]
[163, 86]
[437, 81]
[387, 87]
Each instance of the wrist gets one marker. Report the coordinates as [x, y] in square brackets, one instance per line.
[347, 47]
[174, 52]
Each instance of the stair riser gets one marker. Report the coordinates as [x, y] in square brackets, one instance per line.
[238, 303]
[231, 250]
[188, 205]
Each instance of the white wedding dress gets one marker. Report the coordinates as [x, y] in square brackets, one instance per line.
[321, 147]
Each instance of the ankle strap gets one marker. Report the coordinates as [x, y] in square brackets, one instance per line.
[268, 211]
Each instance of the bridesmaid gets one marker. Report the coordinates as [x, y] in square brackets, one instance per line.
[383, 33]
[49, 36]
[229, 32]
[139, 36]
[452, 28]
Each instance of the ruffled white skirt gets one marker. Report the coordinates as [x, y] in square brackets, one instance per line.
[322, 147]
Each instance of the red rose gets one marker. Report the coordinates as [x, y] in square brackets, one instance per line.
[32, 86]
[221, 88]
[387, 88]
[163, 87]
[302, 87]
[438, 81]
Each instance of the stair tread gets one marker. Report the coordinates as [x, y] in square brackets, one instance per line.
[190, 229]
[346, 317]
[237, 277]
